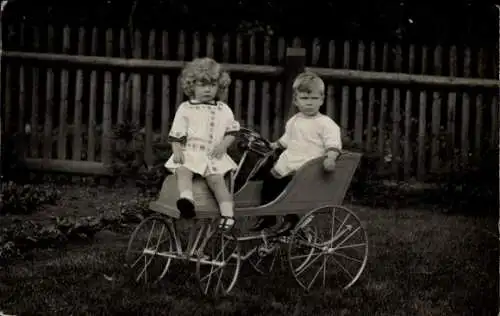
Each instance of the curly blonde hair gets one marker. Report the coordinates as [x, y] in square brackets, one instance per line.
[204, 70]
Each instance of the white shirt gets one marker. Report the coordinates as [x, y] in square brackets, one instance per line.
[200, 127]
[306, 138]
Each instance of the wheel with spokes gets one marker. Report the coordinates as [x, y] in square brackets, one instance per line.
[150, 249]
[328, 247]
[219, 263]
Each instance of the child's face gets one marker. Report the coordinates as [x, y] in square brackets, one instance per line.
[309, 103]
[205, 91]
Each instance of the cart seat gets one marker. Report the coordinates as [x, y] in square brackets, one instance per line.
[309, 188]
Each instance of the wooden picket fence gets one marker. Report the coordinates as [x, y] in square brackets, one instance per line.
[417, 125]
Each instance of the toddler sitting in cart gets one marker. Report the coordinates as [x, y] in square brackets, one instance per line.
[308, 135]
[202, 130]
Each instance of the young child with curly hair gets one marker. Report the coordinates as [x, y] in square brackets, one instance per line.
[308, 135]
[202, 130]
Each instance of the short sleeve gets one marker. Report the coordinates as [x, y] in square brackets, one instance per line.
[331, 135]
[232, 125]
[178, 132]
[285, 138]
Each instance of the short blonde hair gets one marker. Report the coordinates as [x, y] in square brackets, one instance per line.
[204, 70]
[308, 82]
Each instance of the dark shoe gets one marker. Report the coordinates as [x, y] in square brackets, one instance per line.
[226, 223]
[289, 223]
[263, 222]
[186, 207]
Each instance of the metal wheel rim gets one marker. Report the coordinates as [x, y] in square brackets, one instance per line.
[234, 255]
[165, 230]
[317, 244]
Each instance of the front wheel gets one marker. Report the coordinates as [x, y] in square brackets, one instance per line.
[328, 247]
[150, 249]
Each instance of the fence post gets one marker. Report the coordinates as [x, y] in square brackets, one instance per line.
[294, 64]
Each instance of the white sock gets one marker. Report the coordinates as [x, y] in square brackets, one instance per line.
[187, 195]
[226, 208]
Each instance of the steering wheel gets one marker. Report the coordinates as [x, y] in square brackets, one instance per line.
[255, 142]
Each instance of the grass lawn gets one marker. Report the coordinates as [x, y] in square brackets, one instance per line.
[422, 262]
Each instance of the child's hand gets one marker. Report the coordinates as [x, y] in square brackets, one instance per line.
[218, 151]
[329, 164]
[178, 157]
[274, 146]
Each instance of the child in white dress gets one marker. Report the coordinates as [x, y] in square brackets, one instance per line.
[202, 130]
[308, 135]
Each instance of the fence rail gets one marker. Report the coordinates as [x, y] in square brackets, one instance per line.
[417, 123]
[338, 74]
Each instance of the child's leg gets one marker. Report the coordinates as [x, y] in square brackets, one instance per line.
[217, 184]
[185, 204]
[272, 187]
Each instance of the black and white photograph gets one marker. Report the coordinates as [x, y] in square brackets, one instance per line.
[249, 157]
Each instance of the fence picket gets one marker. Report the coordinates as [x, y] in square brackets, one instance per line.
[123, 90]
[63, 107]
[238, 84]
[136, 82]
[383, 110]
[330, 91]
[436, 113]
[107, 111]
[371, 102]
[251, 89]
[77, 116]
[344, 113]
[396, 116]
[148, 142]
[278, 101]
[479, 110]
[358, 120]
[265, 108]
[422, 122]
[465, 112]
[451, 114]
[181, 51]
[165, 91]
[196, 45]
[35, 105]
[316, 51]
[408, 119]
[22, 86]
[495, 120]
[49, 101]
[8, 93]
[210, 45]
[91, 142]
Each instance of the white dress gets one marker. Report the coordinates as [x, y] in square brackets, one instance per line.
[200, 127]
[306, 138]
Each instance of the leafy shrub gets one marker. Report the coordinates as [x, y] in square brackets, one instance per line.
[127, 152]
[13, 162]
[128, 161]
[26, 199]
